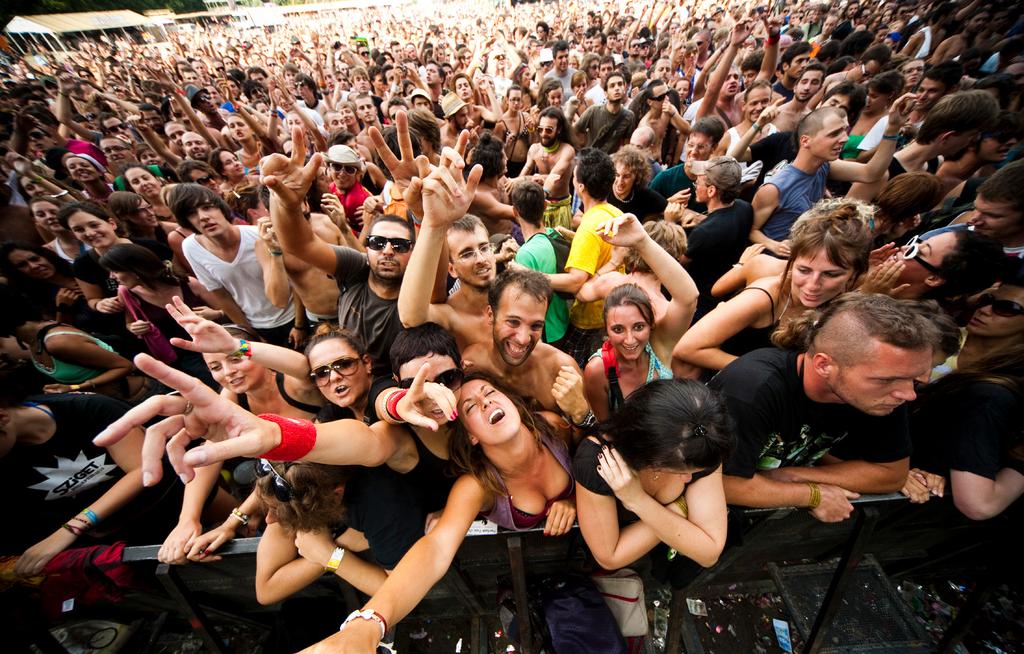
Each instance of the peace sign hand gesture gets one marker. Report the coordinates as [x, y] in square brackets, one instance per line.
[289, 179]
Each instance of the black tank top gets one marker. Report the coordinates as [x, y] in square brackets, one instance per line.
[243, 401]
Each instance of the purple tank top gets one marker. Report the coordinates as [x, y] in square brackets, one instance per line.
[505, 515]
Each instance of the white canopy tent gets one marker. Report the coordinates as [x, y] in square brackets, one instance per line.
[47, 28]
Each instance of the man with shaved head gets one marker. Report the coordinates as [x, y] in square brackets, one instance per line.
[195, 146]
[827, 420]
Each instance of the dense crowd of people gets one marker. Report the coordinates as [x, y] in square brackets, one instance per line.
[552, 265]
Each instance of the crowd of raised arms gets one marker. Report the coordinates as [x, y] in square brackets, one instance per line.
[553, 265]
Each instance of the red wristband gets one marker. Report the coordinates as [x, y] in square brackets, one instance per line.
[297, 438]
[392, 404]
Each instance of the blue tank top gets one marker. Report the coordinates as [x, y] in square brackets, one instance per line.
[798, 191]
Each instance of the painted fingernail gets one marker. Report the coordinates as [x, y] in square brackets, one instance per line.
[147, 479]
[183, 478]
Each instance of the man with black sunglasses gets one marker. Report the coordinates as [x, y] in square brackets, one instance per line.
[346, 170]
[368, 283]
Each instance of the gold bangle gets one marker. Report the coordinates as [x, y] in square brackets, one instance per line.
[681, 503]
[815, 495]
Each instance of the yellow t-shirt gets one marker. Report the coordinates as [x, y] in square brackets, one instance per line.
[589, 252]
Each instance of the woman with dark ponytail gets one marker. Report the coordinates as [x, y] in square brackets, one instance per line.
[653, 475]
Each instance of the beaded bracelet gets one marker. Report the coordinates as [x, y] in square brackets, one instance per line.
[244, 349]
[241, 517]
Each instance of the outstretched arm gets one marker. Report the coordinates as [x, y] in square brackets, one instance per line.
[289, 180]
[739, 34]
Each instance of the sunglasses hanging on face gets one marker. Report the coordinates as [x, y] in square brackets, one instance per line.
[282, 489]
[343, 366]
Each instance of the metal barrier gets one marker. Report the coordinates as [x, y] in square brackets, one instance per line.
[879, 524]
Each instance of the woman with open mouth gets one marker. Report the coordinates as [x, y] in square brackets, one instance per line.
[514, 468]
[329, 382]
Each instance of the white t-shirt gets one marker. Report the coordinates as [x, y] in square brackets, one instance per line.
[241, 278]
[596, 95]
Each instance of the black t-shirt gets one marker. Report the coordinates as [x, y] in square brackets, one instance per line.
[645, 204]
[362, 311]
[714, 246]
[584, 471]
[777, 87]
[771, 150]
[87, 266]
[970, 431]
[387, 508]
[46, 485]
[777, 425]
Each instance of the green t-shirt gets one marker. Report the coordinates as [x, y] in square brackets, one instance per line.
[538, 254]
[672, 180]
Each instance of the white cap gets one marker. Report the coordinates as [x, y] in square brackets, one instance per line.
[546, 55]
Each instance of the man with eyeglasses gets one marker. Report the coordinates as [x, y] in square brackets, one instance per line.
[470, 262]
[346, 170]
[676, 184]
[117, 150]
[368, 283]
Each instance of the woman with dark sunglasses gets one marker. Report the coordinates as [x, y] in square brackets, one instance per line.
[966, 425]
[334, 371]
[996, 325]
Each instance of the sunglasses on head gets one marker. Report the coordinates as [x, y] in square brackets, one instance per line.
[345, 168]
[378, 243]
[452, 379]
[205, 179]
[1004, 308]
[282, 489]
[35, 135]
[343, 366]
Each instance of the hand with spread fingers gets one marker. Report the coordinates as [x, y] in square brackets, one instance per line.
[290, 178]
[207, 336]
[198, 412]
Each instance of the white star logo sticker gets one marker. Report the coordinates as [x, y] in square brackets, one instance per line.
[71, 477]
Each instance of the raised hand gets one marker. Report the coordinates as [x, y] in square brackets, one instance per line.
[402, 169]
[198, 412]
[267, 235]
[289, 179]
[207, 336]
[446, 195]
[883, 278]
[622, 231]
[427, 404]
[740, 32]
[899, 111]
[771, 112]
